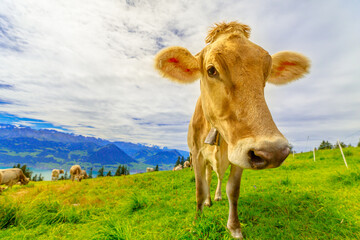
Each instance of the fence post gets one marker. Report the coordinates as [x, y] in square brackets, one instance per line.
[342, 154]
[314, 154]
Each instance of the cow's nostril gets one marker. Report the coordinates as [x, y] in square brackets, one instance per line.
[268, 156]
[283, 154]
[257, 161]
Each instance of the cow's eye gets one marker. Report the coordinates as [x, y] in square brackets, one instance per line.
[212, 72]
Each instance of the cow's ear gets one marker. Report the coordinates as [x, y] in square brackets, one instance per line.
[177, 64]
[288, 66]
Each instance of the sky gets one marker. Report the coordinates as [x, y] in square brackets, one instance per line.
[86, 66]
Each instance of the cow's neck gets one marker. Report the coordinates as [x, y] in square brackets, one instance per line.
[212, 134]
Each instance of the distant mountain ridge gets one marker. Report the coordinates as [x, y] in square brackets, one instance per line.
[50, 148]
[110, 154]
[8, 131]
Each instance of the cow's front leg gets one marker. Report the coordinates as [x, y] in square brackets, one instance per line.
[208, 180]
[218, 190]
[220, 174]
[233, 190]
[201, 184]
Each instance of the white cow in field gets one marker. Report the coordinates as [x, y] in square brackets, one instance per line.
[149, 169]
[13, 176]
[55, 174]
[186, 164]
[75, 173]
[83, 174]
[177, 168]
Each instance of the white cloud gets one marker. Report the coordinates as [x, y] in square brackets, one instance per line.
[87, 65]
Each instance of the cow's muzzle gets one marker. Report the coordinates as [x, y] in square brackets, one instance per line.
[260, 159]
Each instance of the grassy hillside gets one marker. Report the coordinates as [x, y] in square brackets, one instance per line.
[302, 199]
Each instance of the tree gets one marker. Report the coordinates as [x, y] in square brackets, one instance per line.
[177, 161]
[90, 173]
[25, 170]
[343, 145]
[40, 178]
[35, 178]
[358, 143]
[182, 161]
[125, 170]
[122, 170]
[157, 168]
[109, 174]
[118, 171]
[325, 145]
[101, 172]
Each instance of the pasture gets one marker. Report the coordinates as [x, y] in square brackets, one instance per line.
[302, 199]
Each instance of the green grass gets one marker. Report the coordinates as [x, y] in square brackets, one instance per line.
[302, 199]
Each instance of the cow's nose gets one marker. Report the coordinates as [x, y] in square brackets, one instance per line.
[260, 159]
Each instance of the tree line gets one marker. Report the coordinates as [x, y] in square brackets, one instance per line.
[327, 145]
[121, 170]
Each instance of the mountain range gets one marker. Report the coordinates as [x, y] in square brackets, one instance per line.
[47, 149]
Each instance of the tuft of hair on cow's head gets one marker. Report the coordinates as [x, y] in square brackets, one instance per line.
[226, 28]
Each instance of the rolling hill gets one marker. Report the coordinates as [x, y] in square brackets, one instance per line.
[302, 199]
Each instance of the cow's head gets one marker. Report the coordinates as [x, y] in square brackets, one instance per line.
[25, 181]
[233, 73]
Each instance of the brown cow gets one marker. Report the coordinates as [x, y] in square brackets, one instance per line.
[84, 174]
[75, 172]
[186, 164]
[13, 176]
[55, 174]
[231, 114]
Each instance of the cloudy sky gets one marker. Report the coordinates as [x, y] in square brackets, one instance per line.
[86, 66]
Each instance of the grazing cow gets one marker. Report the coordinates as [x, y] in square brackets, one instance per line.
[178, 167]
[83, 174]
[13, 176]
[232, 124]
[186, 164]
[55, 174]
[150, 169]
[75, 172]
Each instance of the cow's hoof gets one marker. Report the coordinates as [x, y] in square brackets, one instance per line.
[216, 199]
[235, 233]
[207, 203]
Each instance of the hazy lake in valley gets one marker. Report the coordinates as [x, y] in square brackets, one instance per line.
[46, 173]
